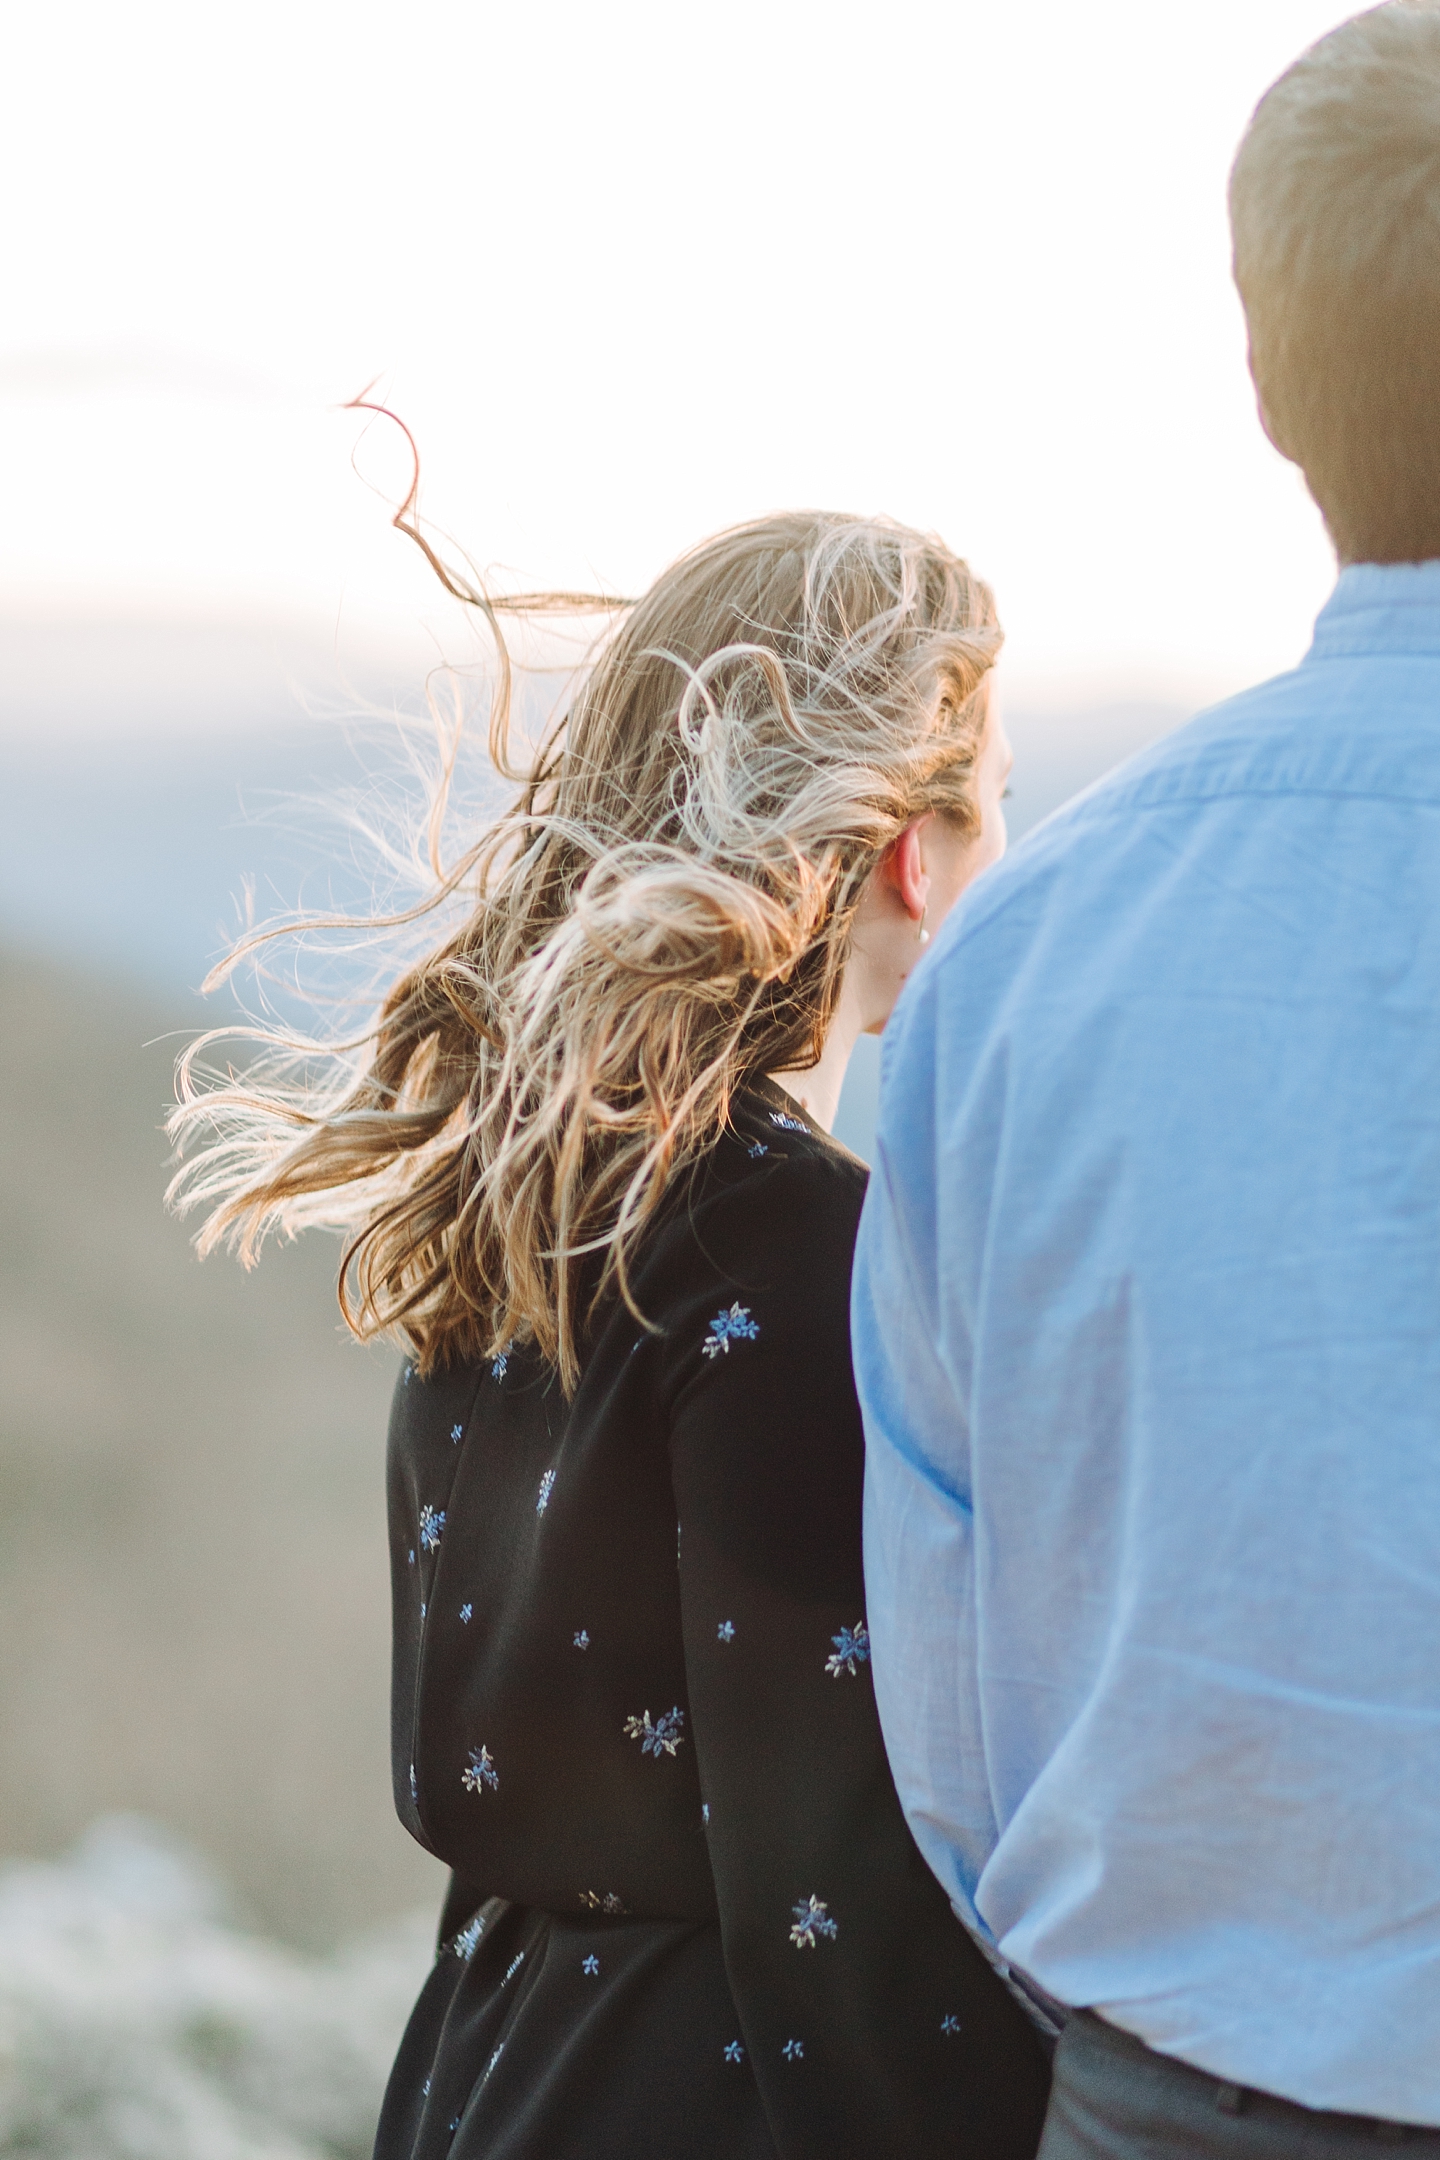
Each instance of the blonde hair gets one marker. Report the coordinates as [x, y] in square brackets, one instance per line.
[664, 912]
[1335, 212]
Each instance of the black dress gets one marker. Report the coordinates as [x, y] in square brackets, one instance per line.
[633, 1713]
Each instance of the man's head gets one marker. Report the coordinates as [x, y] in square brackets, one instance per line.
[1335, 209]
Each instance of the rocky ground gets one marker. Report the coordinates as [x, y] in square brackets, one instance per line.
[138, 2022]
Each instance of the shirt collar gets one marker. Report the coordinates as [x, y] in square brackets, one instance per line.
[1380, 608]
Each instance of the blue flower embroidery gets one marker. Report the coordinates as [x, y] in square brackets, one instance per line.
[726, 1631]
[757, 1151]
[582, 1640]
[794, 2051]
[457, 1432]
[513, 1967]
[465, 1612]
[949, 2025]
[412, 1556]
[664, 1737]
[481, 1772]
[593, 1902]
[500, 1364]
[432, 1527]
[468, 1940]
[852, 1650]
[590, 1966]
[812, 1920]
[788, 1124]
[547, 1486]
[727, 1327]
[734, 2053]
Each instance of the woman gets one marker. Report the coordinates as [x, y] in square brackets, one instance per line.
[592, 1187]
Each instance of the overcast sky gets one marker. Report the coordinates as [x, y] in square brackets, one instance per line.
[633, 273]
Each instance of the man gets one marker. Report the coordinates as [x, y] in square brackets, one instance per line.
[1147, 1305]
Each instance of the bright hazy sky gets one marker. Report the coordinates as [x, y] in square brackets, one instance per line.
[632, 273]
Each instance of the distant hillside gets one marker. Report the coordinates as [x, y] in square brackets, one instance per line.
[193, 1617]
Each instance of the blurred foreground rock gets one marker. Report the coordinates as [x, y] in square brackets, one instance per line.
[137, 2022]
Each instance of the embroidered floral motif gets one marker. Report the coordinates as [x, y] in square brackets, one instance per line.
[547, 1486]
[500, 1363]
[481, 1772]
[513, 1967]
[852, 1650]
[950, 2025]
[794, 2051]
[726, 1631]
[465, 1612]
[788, 1124]
[757, 1151]
[727, 1327]
[812, 1920]
[582, 1640]
[412, 1556]
[457, 1432]
[432, 1527]
[488, 2068]
[590, 1966]
[593, 1902]
[468, 1940]
[664, 1737]
[734, 2053]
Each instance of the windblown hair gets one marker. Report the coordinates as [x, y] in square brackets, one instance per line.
[1335, 210]
[664, 912]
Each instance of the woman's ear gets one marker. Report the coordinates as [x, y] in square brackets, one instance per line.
[906, 867]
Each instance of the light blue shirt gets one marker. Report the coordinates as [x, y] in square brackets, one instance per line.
[1147, 1329]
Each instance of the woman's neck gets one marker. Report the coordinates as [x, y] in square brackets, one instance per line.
[817, 1089]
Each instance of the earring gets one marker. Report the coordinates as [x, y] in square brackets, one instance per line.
[922, 934]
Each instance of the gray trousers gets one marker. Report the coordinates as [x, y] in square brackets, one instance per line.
[1116, 2099]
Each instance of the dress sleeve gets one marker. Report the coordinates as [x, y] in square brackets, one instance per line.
[869, 2019]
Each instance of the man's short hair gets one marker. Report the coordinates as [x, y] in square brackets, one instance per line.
[1335, 211]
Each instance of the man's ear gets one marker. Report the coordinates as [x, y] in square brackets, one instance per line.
[1273, 432]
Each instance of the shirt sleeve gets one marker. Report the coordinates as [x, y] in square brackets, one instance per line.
[920, 1529]
[870, 2020]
